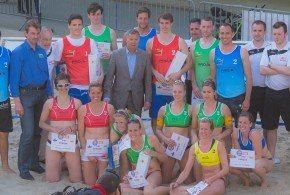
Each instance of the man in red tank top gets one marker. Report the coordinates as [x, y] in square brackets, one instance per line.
[162, 49]
[74, 50]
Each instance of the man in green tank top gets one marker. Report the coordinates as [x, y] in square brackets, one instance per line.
[200, 51]
[104, 36]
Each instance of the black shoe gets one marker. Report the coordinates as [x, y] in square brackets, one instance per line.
[37, 169]
[26, 175]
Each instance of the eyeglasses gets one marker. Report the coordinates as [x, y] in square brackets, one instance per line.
[134, 120]
[178, 82]
[63, 85]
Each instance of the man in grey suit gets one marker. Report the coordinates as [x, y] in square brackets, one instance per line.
[128, 82]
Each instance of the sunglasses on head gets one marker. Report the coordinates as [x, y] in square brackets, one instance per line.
[63, 85]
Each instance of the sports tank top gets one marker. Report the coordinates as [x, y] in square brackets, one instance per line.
[144, 38]
[104, 37]
[4, 73]
[63, 114]
[182, 119]
[209, 158]
[76, 59]
[229, 73]
[133, 155]
[249, 144]
[217, 116]
[162, 55]
[116, 130]
[201, 59]
[92, 120]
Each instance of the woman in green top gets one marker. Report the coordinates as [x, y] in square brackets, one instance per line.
[119, 127]
[151, 146]
[174, 117]
[218, 112]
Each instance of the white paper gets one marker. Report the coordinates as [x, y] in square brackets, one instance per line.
[197, 188]
[176, 63]
[94, 67]
[104, 48]
[143, 163]
[162, 89]
[181, 144]
[97, 147]
[124, 143]
[242, 158]
[63, 143]
[136, 180]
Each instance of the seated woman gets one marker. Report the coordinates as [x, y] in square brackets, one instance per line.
[119, 127]
[94, 121]
[218, 112]
[59, 116]
[174, 117]
[211, 155]
[152, 147]
[247, 138]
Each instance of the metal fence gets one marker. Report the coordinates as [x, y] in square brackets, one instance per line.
[120, 14]
[241, 17]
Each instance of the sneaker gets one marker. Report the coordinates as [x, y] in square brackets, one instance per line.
[276, 160]
[26, 175]
[37, 169]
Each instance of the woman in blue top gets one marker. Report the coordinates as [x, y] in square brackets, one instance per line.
[247, 138]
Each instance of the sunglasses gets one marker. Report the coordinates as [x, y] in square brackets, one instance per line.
[63, 85]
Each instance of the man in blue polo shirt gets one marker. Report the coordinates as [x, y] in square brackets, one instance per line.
[30, 86]
[5, 107]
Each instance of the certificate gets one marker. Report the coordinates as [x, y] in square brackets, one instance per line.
[97, 147]
[162, 89]
[136, 180]
[94, 67]
[124, 143]
[104, 48]
[63, 143]
[181, 144]
[242, 158]
[176, 63]
[197, 188]
[143, 163]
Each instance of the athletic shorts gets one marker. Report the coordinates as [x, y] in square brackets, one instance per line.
[277, 103]
[5, 116]
[85, 158]
[234, 104]
[157, 102]
[80, 94]
[257, 102]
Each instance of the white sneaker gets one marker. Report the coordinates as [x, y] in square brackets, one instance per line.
[276, 160]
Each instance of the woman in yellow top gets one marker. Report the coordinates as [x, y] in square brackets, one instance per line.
[248, 138]
[174, 117]
[212, 157]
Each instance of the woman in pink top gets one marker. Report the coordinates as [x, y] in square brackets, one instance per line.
[61, 112]
[94, 122]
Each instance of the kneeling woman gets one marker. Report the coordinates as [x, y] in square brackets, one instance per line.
[211, 155]
[152, 147]
[94, 121]
[61, 111]
[247, 138]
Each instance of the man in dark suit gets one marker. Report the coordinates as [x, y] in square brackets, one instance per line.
[128, 82]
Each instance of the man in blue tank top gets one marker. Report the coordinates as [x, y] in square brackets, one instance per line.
[146, 32]
[5, 107]
[230, 67]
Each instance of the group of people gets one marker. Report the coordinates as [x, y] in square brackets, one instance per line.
[223, 82]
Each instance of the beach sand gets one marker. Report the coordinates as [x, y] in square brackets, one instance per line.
[12, 184]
